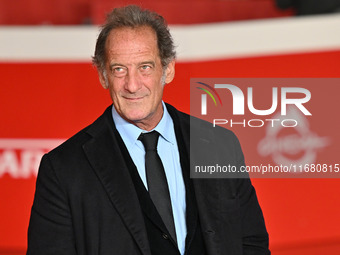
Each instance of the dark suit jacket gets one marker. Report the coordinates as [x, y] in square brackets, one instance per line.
[86, 203]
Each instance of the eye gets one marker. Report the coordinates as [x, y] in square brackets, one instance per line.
[119, 71]
[145, 67]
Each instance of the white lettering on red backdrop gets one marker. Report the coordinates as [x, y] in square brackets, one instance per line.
[20, 158]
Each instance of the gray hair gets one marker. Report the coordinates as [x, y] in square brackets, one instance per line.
[133, 16]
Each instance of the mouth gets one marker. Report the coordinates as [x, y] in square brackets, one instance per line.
[133, 99]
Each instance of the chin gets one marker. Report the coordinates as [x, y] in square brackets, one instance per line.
[135, 117]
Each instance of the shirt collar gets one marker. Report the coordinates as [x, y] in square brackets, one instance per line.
[166, 126]
[130, 132]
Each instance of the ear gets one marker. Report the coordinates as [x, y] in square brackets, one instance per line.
[102, 79]
[170, 72]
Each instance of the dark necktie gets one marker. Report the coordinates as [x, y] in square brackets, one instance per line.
[156, 179]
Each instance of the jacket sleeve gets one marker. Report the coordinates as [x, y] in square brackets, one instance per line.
[50, 228]
[255, 239]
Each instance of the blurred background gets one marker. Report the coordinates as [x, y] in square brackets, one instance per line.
[49, 90]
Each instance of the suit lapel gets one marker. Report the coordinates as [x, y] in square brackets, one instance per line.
[191, 210]
[107, 161]
[206, 192]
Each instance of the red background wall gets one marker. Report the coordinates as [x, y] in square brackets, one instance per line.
[55, 100]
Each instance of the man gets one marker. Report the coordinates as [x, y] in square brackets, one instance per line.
[100, 193]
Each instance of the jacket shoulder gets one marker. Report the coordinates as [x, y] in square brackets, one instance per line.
[198, 125]
[74, 144]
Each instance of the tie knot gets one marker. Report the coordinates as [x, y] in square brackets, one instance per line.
[149, 140]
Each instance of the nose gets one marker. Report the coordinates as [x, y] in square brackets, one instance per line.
[132, 82]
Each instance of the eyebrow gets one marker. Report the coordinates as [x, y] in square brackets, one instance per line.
[147, 62]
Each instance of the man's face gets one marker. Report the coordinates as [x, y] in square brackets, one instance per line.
[135, 76]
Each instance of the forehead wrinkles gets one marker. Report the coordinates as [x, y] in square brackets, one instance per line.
[126, 40]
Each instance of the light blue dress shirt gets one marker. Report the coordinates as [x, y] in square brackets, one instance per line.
[168, 152]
